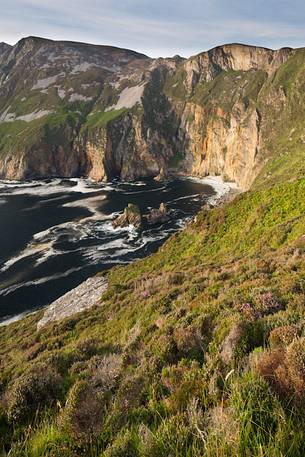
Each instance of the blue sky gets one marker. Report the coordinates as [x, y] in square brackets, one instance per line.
[158, 27]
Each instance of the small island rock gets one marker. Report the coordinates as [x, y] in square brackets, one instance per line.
[158, 215]
[131, 216]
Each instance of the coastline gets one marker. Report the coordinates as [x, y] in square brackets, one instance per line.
[224, 192]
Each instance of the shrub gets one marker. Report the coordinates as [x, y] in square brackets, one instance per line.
[284, 369]
[47, 441]
[172, 438]
[282, 336]
[267, 364]
[3, 427]
[32, 390]
[34, 350]
[176, 279]
[295, 360]
[267, 303]
[234, 343]
[189, 342]
[105, 371]
[87, 349]
[82, 416]
[125, 445]
[60, 360]
[183, 381]
[130, 394]
[221, 431]
[248, 311]
[165, 349]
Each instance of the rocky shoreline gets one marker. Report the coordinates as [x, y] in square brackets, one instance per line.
[88, 293]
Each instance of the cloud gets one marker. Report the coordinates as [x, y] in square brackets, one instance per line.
[157, 27]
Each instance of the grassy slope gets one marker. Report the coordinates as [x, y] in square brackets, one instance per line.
[227, 293]
[101, 119]
[20, 136]
[285, 148]
[165, 319]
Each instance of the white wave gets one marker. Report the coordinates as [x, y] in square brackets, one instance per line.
[85, 186]
[43, 242]
[29, 251]
[49, 233]
[216, 182]
[18, 317]
[90, 204]
[108, 188]
[43, 202]
[36, 282]
[14, 183]
[54, 186]
[187, 197]
[96, 256]
[120, 246]
[108, 227]
[134, 183]
[220, 187]
[51, 252]
[117, 262]
[74, 226]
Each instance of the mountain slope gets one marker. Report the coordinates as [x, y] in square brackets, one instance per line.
[196, 350]
[73, 109]
[4, 47]
[47, 89]
[199, 349]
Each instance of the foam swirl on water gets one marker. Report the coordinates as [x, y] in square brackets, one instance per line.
[57, 233]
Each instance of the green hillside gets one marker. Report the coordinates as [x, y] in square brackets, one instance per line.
[199, 349]
[196, 350]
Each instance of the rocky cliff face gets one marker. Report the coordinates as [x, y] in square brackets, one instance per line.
[4, 47]
[71, 109]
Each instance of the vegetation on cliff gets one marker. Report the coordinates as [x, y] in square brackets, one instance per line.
[103, 112]
[196, 350]
[199, 349]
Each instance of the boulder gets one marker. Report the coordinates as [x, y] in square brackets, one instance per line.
[131, 216]
[157, 216]
[162, 176]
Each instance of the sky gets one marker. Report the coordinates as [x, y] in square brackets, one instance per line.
[157, 27]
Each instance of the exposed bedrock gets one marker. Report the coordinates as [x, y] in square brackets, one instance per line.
[69, 109]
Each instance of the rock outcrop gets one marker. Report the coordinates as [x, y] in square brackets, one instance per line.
[71, 109]
[83, 297]
[158, 215]
[131, 216]
[4, 47]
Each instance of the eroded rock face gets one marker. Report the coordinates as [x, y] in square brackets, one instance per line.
[158, 215]
[131, 216]
[236, 57]
[226, 147]
[95, 168]
[163, 175]
[129, 116]
[4, 47]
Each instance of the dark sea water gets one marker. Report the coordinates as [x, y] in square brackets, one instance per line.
[55, 234]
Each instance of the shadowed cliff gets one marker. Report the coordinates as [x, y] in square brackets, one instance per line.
[71, 109]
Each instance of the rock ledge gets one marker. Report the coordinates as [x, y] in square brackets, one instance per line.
[84, 296]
